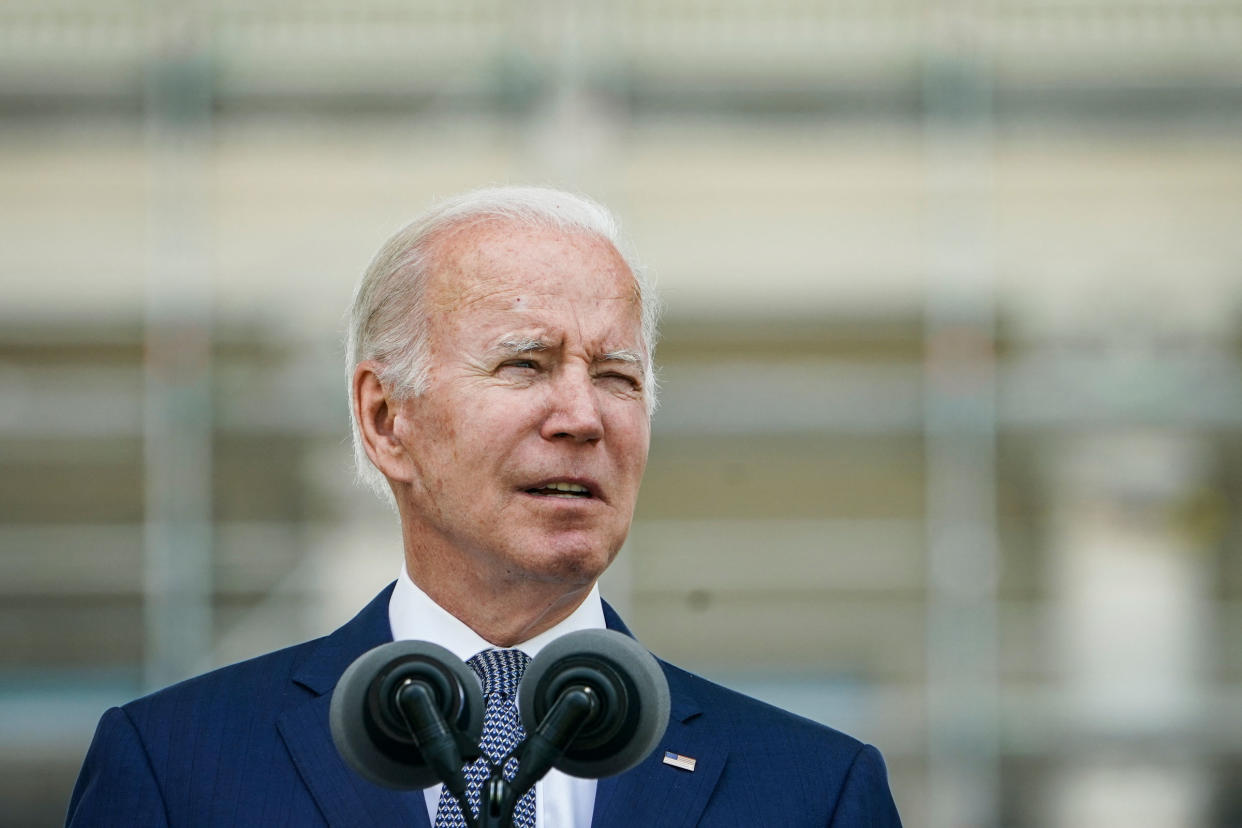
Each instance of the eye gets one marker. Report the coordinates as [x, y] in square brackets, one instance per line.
[628, 380]
[525, 368]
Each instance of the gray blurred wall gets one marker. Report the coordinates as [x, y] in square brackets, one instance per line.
[950, 453]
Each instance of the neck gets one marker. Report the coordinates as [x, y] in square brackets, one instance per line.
[504, 612]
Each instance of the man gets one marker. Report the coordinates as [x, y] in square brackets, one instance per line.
[501, 386]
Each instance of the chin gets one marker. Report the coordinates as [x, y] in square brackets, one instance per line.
[572, 566]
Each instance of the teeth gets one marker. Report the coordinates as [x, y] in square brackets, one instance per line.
[563, 490]
[566, 487]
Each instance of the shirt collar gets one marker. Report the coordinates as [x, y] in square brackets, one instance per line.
[413, 615]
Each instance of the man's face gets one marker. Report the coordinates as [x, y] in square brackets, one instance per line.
[528, 446]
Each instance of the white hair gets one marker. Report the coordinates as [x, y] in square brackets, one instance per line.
[387, 321]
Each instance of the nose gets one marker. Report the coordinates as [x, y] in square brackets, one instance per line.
[573, 408]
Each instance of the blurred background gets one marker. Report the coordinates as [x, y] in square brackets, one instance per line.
[950, 450]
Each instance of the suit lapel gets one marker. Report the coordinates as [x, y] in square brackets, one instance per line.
[654, 793]
[658, 794]
[344, 797]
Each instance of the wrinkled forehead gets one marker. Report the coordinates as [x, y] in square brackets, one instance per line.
[499, 260]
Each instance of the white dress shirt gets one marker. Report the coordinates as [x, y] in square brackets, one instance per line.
[561, 801]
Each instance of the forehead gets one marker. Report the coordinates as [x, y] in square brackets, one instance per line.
[503, 266]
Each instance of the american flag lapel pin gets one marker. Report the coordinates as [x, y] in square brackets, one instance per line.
[686, 763]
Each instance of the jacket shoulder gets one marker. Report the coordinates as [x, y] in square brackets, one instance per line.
[824, 776]
[202, 751]
[275, 678]
[746, 715]
[264, 678]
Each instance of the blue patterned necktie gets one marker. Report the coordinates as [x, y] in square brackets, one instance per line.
[500, 670]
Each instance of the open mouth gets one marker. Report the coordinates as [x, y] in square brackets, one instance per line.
[569, 490]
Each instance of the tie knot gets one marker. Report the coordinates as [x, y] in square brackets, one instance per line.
[500, 670]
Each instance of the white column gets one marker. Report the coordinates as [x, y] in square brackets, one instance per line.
[1130, 612]
[178, 422]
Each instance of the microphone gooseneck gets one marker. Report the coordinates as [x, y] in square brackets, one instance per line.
[596, 703]
[435, 739]
[407, 715]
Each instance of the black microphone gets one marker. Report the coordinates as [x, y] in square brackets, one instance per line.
[594, 703]
[407, 715]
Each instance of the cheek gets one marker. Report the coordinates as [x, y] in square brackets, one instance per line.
[448, 439]
[633, 441]
[477, 435]
[432, 439]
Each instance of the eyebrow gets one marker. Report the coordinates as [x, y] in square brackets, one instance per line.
[624, 355]
[531, 346]
[522, 346]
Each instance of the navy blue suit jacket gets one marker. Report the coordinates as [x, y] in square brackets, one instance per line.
[249, 745]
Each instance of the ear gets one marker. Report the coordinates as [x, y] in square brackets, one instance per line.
[376, 412]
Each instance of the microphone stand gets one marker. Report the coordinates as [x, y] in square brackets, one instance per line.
[440, 743]
[406, 714]
[536, 755]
